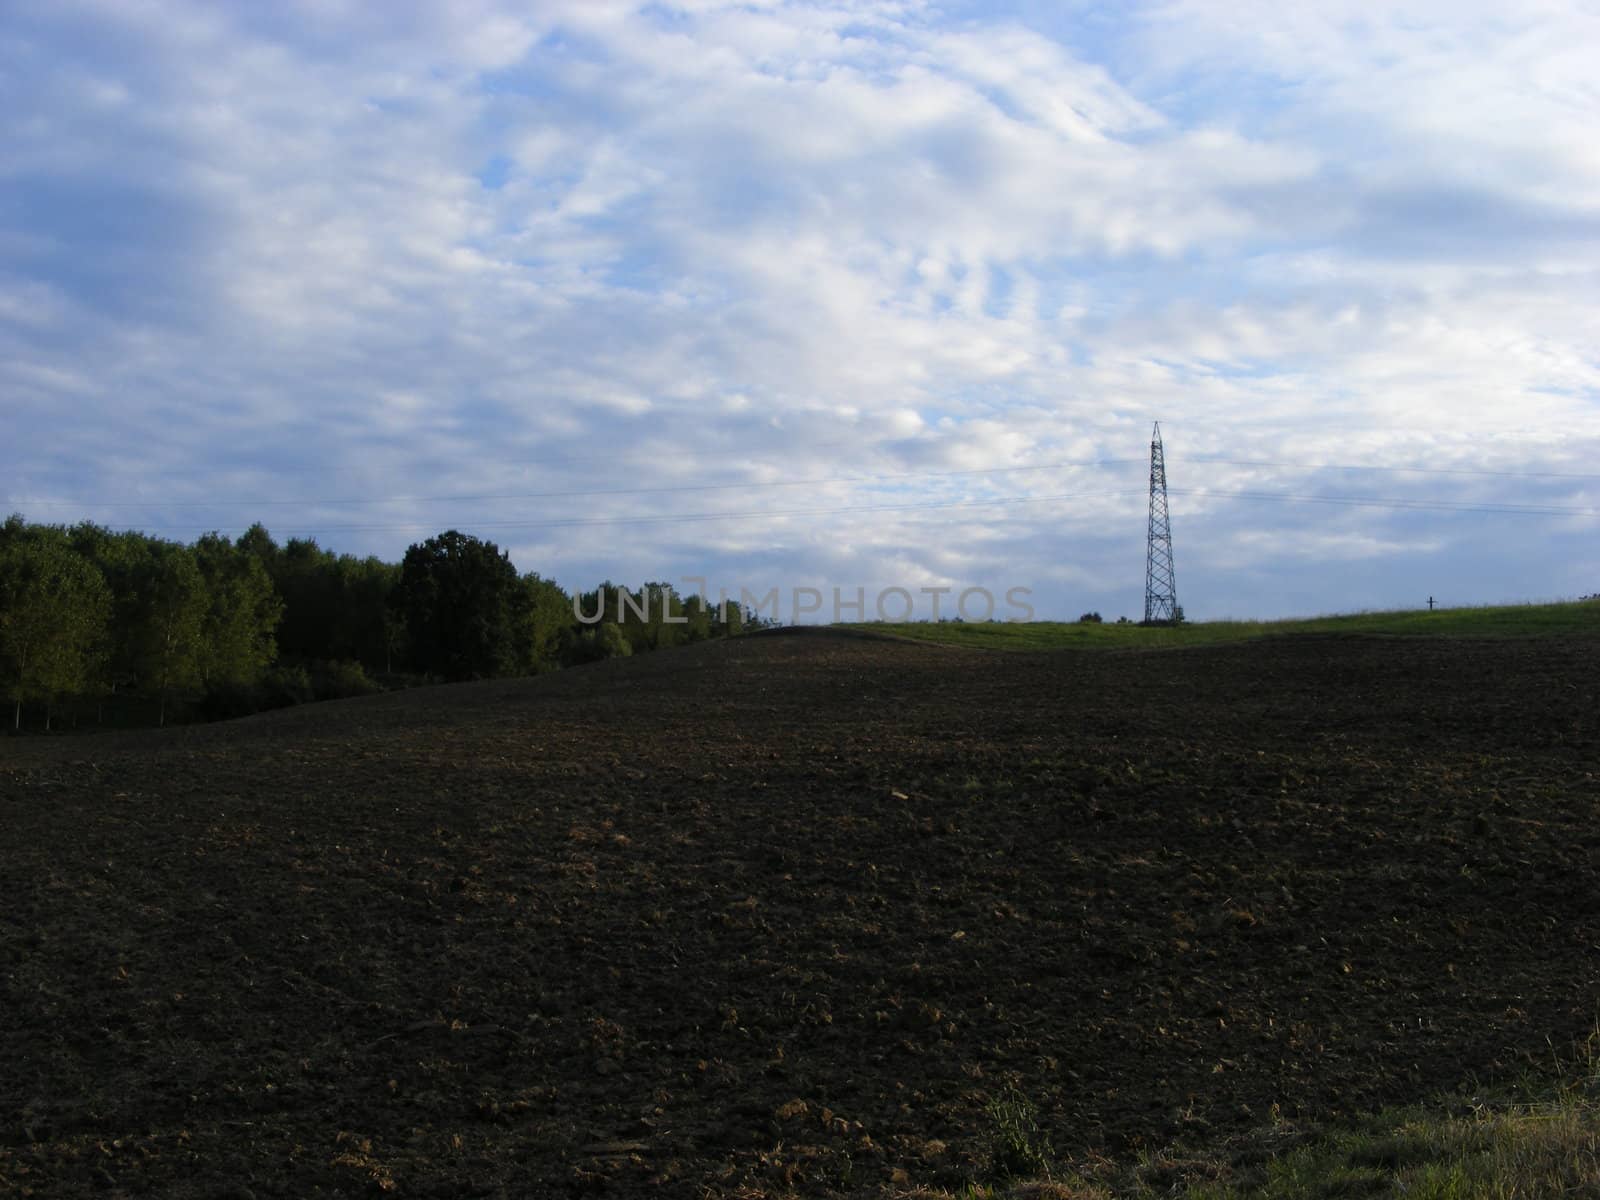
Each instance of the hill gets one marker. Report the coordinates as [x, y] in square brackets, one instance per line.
[787, 915]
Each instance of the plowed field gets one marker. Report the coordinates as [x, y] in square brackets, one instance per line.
[782, 914]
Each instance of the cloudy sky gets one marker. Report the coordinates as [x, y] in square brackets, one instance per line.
[832, 294]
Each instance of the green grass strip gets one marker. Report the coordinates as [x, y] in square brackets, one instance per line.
[1573, 619]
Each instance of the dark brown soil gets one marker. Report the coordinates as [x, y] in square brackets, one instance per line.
[782, 914]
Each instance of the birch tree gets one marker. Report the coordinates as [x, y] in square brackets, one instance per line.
[55, 611]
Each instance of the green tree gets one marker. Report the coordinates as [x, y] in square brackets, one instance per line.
[727, 619]
[12, 530]
[643, 614]
[396, 637]
[548, 616]
[123, 559]
[464, 608]
[54, 613]
[336, 607]
[243, 611]
[666, 623]
[170, 622]
[698, 620]
[258, 544]
[371, 631]
[305, 577]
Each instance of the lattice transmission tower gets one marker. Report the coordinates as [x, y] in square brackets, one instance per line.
[1160, 582]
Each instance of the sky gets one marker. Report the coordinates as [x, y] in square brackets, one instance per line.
[802, 294]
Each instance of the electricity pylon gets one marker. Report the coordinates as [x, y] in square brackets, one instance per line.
[1160, 583]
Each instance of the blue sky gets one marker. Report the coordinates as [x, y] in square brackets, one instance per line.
[883, 293]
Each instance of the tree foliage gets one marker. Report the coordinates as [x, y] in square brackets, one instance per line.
[146, 627]
[170, 630]
[54, 616]
[242, 613]
[465, 609]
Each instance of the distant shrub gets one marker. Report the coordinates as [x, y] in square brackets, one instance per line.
[224, 701]
[603, 641]
[287, 684]
[613, 642]
[1089, 618]
[341, 680]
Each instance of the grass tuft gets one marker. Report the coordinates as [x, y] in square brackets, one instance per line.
[1018, 1148]
[1514, 1148]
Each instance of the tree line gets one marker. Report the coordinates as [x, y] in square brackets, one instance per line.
[124, 628]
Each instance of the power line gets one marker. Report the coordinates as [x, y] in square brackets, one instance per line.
[754, 485]
[1396, 503]
[1248, 462]
[576, 494]
[670, 489]
[679, 518]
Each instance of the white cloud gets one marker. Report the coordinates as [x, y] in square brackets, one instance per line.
[331, 250]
